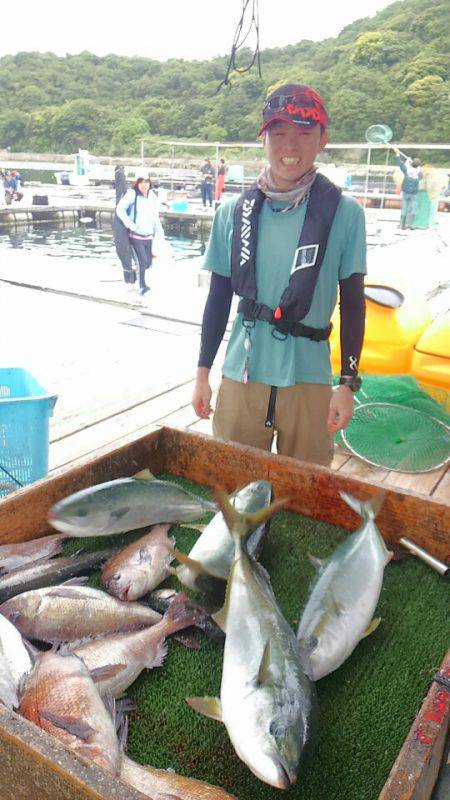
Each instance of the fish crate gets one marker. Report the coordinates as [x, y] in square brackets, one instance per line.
[34, 765]
[25, 409]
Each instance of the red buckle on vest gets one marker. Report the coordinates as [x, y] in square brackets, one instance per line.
[277, 314]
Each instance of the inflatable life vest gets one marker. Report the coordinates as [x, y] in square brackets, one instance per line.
[296, 299]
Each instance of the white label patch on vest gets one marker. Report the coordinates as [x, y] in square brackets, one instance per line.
[305, 256]
[246, 229]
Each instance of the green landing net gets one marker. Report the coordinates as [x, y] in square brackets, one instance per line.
[379, 134]
[397, 426]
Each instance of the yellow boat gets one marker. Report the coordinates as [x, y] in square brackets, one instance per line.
[430, 363]
[401, 338]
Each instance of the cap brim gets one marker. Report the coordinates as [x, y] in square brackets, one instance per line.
[305, 125]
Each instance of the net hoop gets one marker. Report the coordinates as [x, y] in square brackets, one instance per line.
[440, 426]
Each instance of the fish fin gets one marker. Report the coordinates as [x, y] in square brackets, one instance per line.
[182, 613]
[159, 657]
[264, 674]
[220, 617]
[332, 608]
[144, 475]
[79, 581]
[106, 672]
[241, 524]
[63, 591]
[187, 640]
[120, 512]
[208, 706]
[72, 725]
[368, 509]
[195, 566]
[186, 526]
[372, 626]
[317, 563]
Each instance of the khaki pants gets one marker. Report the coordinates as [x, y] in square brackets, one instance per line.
[300, 420]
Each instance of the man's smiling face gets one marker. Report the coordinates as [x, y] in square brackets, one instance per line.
[291, 151]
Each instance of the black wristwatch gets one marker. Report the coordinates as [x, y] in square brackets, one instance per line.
[353, 382]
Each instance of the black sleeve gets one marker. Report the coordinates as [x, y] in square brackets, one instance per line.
[353, 313]
[215, 318]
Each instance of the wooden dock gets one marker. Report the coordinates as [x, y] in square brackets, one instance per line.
[120, 363]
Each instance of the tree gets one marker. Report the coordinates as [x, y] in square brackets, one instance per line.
[426, 91]
[13, 127]
[380, 49]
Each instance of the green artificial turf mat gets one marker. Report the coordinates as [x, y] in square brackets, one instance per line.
[366, 707]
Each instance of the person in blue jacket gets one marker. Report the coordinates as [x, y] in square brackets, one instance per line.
[138, 210]
[413, 173]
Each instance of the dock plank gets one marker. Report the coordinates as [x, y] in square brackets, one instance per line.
[442, 489]
[420, 482]
[142, 417]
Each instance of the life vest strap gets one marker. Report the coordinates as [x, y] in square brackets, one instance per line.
[252, 310]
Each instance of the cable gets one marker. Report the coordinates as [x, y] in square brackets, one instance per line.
[239, 41]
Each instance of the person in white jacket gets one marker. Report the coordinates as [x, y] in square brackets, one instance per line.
[138, 210]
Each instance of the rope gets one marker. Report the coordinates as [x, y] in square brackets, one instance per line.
[239, 40]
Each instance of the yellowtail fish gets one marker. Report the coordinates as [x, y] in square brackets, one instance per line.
[340, 609]
[125, 504]
[267, 701]
[207, 566]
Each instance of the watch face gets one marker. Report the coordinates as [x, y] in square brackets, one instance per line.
[353, 383]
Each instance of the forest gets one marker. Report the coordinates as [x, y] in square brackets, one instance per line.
[392, 68]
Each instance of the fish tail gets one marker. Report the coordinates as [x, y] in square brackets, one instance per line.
[239, 524]
[367, 509]
[182, 613]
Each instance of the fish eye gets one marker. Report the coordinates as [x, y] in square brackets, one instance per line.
[117, 576]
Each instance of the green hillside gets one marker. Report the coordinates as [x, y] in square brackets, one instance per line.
[392, 68]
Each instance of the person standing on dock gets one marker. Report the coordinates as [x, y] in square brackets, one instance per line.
[138, 210]
[410, 186]
[206, 186]
[284, 247]
[220, 182]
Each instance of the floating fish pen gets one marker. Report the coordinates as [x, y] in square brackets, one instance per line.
[385, 712]
[175, 223]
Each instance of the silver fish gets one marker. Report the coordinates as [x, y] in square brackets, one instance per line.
[267, 701]
[60, 697]
[15, 663]
[125, 505]
[207, 566]
[339, 612]
[116, 661]
[48, 572]
[16, 555]
[68, 613]
[140, 567]
[161, 784]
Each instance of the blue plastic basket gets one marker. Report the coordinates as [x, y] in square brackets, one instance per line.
[25, 408]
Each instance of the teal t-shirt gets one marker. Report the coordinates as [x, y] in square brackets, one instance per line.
[294, 359]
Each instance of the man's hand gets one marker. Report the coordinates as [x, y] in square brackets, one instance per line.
[201, 398]
[341, 409]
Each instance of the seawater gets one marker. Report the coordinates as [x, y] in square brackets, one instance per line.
[69, 241]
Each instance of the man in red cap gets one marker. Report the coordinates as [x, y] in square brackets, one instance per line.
[284, 247]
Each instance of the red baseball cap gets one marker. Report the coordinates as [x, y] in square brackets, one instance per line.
[295, 103]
